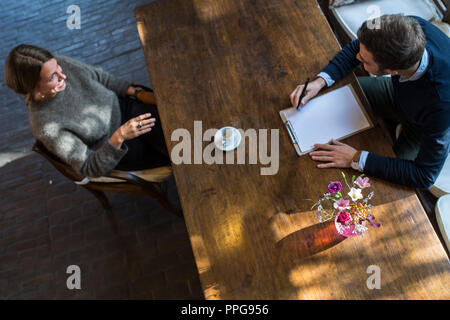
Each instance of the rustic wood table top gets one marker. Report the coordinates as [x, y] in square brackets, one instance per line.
[254, 236]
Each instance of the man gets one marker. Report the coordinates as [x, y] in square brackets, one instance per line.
[416, 55]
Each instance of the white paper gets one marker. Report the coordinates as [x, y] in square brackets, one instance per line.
[334, 115]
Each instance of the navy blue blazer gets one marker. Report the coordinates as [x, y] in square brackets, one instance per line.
[423, 103]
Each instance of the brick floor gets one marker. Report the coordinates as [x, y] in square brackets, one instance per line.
[48, 223]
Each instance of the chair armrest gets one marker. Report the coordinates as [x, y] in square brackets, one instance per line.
[339, 3]
[142, 87]
[154, 175]
[143, 176]
[127, 176]
[146, 96]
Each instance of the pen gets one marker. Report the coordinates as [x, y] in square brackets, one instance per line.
[302, 95]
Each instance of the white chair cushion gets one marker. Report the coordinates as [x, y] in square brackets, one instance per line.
[442, 183]
[353, 15]
[443, 217]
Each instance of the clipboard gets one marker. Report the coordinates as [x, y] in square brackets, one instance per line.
[336, 115]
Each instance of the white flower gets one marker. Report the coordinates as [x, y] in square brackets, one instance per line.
[359, 228]
[355, 194]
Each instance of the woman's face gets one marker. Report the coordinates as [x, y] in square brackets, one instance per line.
[52, 78]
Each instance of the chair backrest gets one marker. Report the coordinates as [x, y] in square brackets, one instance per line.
[443, 8]
[62, 167]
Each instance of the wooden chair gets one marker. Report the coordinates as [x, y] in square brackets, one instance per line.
[149, 182]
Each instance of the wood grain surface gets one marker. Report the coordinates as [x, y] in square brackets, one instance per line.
[235, 62]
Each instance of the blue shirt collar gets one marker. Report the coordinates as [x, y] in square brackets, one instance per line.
[423, 66]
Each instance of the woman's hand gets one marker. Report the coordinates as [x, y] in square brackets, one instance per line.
[311, 91]
[131, 91]
[133, 128]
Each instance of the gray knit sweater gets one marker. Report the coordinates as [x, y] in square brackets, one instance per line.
[77, 123]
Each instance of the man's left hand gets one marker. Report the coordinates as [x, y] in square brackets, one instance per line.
[336, 154]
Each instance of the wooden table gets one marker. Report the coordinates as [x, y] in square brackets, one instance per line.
[235, 62]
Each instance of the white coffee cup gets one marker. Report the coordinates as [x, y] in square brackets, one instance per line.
[227, 138]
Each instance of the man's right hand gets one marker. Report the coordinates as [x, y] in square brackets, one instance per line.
[311, 91]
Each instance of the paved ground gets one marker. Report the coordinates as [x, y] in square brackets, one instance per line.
[46, 222]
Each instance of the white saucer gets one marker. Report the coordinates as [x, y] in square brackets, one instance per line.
[218, 138]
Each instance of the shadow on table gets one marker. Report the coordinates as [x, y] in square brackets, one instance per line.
[309, 241]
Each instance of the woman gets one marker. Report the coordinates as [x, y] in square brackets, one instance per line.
[84, 115]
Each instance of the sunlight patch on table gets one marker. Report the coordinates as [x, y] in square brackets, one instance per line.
[210, 10]
[202, 260]
[228, 235]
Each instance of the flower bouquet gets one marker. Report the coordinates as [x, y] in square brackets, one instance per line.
[350, 215]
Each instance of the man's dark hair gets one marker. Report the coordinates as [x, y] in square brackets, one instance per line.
[395, 41]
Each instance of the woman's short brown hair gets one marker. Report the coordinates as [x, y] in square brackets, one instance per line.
[23, 68]
[395, 41]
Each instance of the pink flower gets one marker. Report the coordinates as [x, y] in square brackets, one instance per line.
[344, 217]
[342, 204]
[334, 187]
[362, 182]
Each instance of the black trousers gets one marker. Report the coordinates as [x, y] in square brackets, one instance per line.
[148, 150]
